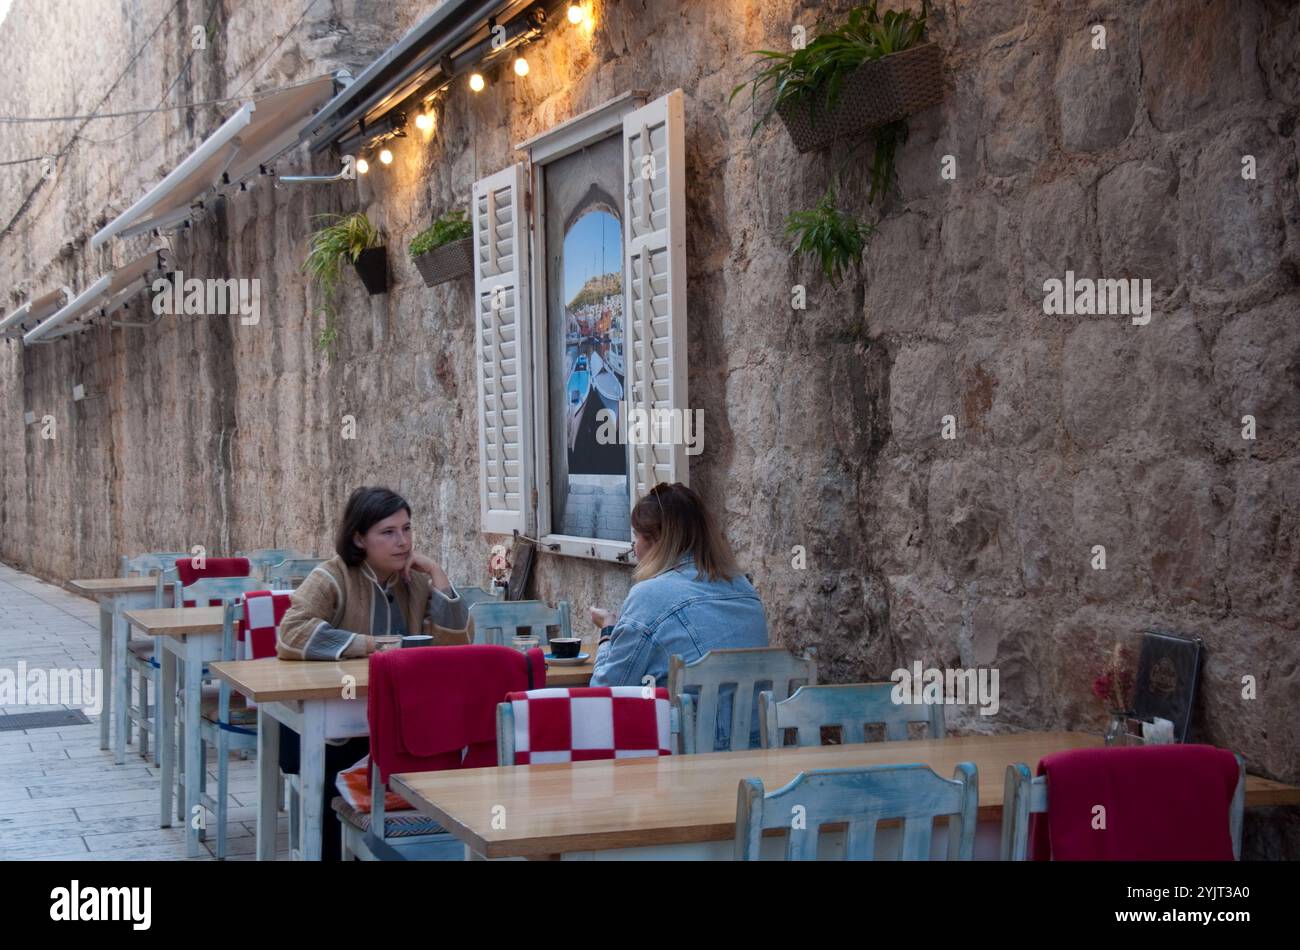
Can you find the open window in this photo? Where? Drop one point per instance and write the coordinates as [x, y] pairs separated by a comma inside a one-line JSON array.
[[581, 294]]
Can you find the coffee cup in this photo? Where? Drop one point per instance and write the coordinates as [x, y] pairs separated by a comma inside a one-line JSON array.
[[565, 648], [417, 640]]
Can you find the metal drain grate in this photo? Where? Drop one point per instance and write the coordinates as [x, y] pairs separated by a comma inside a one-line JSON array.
[[43, 720]]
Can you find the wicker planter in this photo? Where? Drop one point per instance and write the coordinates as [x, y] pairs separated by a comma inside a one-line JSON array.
[[446, 263], [372, 268], [876, 93]]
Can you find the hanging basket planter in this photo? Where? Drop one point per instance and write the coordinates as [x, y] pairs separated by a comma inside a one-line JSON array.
[[876, 93], [372, 268], [446, 263]]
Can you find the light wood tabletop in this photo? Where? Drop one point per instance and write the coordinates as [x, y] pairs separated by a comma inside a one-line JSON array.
[[176, 621], [95, 586], [680, 799], [275, 680]]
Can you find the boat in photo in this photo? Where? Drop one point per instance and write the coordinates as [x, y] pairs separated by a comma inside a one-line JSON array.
[[575, 395], [608, 387]]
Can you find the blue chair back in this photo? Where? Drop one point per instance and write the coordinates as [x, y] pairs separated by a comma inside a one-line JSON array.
[[261, 560], [289, 573], [699, 690], [159, 564], [495, 622], [851, 707], [861, 797]]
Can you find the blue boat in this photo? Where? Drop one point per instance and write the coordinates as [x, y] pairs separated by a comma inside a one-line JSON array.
[[575, 394]]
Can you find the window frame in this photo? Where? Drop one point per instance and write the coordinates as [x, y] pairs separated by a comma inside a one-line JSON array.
[[558, 142]]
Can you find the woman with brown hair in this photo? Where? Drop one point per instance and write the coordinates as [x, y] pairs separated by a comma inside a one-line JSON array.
[[689, 597]]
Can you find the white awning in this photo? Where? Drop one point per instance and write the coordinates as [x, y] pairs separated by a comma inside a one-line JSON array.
[[254, 136], [34, 311], [110, 289]]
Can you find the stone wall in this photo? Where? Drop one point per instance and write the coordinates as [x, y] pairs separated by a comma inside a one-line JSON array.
[[822, 426]]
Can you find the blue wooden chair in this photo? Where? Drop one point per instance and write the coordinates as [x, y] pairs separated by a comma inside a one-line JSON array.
[[477, 595], [214, 700], [851, 707], [263, 559], [861, 797], [699, 690], [289, 573], [495, 622], [141, 662], [1024, 795]]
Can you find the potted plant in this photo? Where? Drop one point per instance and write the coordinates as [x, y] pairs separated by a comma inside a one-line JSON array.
[[868, 74], [347, 237], [834, 238], [443, 251]]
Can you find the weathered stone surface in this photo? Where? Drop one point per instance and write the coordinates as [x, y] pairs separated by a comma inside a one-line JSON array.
[[1096, 89], [1197, 59], [1101, 390], [1057, 234], [974, 238], [1137, 220], [1015, 123], [1256, 372]]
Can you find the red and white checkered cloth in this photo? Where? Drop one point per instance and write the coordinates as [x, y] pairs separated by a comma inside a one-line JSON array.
[[263, 611], [589, 722]]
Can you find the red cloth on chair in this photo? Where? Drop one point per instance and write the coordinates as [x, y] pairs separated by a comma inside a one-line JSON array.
[[263, 611], [435, 708], [1163, 803], [212, 567], [586, 723]]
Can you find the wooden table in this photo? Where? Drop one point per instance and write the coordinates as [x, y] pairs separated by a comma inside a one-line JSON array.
[[318, 700], [685, 806], [115, 594], [191, 636]]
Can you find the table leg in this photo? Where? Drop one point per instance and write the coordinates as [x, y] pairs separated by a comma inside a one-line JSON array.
[[268, 778], [166, 740], [311, 772], [193, 760], [121, 630], [106, 667]]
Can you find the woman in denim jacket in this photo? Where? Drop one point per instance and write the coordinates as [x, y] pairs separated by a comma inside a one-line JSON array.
[[689, 597]]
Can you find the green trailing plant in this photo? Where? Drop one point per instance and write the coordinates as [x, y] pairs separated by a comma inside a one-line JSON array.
[[452, 226], [835, 239], [815, 74], [331, 247]]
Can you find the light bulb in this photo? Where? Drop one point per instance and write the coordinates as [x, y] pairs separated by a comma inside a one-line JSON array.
[[575, 14], [386, 157], [424, 122], [521, 66], [363, 166], [476, 82]]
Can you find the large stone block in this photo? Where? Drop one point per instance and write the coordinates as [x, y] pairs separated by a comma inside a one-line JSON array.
[[922, 391], [1181, 514], [1102, 393], [971, 505], [1234, 230], [1262, 561], [974, 239], [1137, 215], [1016, 126], [1197, 59], [1103, 516], [1256, 372], [1096, 89], [1057, 233]]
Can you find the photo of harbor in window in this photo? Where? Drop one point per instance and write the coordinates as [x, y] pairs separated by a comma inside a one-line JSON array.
[[585, 326]]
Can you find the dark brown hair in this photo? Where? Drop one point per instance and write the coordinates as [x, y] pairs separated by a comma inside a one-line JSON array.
[[366, 507], [673, 519]]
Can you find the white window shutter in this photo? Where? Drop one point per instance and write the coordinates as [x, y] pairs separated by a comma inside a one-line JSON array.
[[654, 215], [501, 295]]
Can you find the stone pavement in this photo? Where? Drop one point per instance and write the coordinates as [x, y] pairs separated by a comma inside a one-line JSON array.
[[61, 797]]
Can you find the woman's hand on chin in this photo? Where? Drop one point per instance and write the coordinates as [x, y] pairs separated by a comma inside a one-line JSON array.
[[418, 562]]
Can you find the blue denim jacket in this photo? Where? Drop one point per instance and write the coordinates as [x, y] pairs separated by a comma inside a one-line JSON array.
[[678, 612]]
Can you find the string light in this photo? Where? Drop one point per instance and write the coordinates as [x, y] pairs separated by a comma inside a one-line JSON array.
[[362, 166], [424, 121], [576, 15], [521, 66], [476, 82], [386, 156]]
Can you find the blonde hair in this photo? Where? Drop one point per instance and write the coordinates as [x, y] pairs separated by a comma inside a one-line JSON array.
[[673, 519]]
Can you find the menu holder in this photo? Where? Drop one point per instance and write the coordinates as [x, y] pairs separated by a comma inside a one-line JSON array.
[[1168, 667], [521, 561]]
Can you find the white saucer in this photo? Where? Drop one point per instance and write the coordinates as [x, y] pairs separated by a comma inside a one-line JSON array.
[[570, 661]]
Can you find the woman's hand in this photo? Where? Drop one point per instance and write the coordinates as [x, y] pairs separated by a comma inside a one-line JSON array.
[[603, 618], [418, 562]]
